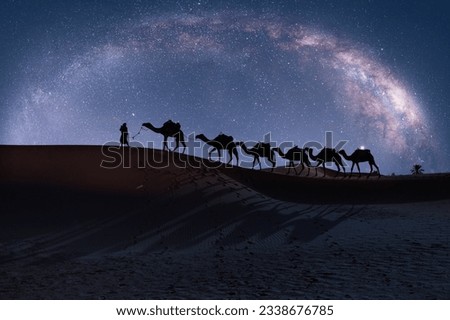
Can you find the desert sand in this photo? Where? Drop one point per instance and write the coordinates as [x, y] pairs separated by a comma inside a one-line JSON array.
[[71, 229]]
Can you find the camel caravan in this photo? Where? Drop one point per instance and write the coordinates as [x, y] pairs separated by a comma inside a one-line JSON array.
[[295, 155]]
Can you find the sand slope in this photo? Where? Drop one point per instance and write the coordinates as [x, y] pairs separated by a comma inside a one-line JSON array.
[[71, 229]]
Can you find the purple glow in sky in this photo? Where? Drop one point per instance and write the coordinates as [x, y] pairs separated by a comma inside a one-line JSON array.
[[238, 72]]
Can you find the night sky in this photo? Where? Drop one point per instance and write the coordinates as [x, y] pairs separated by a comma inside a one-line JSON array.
[[375, 73]]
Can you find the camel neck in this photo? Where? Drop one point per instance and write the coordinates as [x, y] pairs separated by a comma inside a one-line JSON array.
[[204, 138], [345, 155]]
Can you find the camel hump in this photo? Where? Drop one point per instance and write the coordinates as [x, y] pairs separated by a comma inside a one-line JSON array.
[[172, 127], [224, 139], [264, 145]]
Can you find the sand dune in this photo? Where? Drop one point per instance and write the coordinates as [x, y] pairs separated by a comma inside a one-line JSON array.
[[72, 229], [80, 168]]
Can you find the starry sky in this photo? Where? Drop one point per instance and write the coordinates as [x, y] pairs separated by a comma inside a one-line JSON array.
[[374, 73]]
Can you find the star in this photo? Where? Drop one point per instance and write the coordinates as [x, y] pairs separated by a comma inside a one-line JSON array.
[[237, 71]]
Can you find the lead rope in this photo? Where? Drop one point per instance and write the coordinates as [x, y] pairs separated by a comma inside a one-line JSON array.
[[137, 133]]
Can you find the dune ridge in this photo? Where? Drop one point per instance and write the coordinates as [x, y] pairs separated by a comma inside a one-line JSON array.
[[79, 167]]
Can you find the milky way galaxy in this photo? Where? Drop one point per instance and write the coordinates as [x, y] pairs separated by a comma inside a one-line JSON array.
[[232, 71]]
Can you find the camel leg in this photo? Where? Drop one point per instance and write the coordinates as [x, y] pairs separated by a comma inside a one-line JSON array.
[[339, 165], [273, 165], [230, 156], [165, 146], [378, 169], [323, 166], [303, 168], [371, 170], [219, 153], [338, 168], [259, 162], [351, 170], [318, 164], [295, 170], [235, 152], [254, 162], [291, 165], [180, 137], [270, 158], [210, 152], [177, 143], [359, 169]]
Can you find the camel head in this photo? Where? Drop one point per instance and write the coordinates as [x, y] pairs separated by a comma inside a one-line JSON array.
[[201, 136]]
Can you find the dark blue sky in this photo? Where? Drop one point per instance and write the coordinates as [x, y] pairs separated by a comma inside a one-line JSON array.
[[373, 72]]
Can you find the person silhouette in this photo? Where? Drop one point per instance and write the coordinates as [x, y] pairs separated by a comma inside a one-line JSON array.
[[124, 135]]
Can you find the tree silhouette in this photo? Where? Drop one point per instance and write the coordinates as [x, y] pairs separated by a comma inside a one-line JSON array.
[[417, 169]]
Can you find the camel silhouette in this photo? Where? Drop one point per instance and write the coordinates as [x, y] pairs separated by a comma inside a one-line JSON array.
[[360, 155], [221, 142], [327, 155], [259, 150], [169, 129], [295, 154]]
